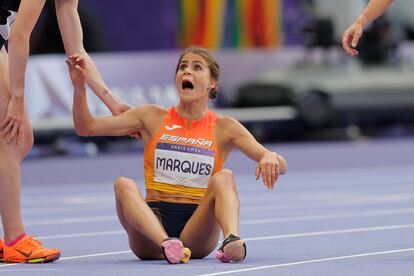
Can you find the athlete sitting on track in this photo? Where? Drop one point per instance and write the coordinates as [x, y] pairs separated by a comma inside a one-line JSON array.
[[190, 197]]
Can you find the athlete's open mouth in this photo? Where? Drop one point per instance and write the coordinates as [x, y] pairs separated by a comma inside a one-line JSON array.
[[187, 85]]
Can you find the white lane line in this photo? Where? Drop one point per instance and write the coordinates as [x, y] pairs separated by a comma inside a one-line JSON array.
[[308, 234], [310, 261], [76, 220], [365, 170], [65, 209], [331, 200], [286, 236], [30, 269], [243, 222], [96, 255], [334, 232], [331, 216], [82, 235], [80, 257]]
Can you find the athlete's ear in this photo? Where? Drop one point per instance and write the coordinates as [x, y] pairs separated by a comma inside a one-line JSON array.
[[212, 84]]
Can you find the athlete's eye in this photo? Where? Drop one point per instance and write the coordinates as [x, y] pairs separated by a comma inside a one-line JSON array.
[[182, 66], [197, 67]]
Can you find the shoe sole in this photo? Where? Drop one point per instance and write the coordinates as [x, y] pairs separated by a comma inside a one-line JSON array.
[[47, 259]]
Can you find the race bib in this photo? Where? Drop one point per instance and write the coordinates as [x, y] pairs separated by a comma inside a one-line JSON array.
[[183, 165]]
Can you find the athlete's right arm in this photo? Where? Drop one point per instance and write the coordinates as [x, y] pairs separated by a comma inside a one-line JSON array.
[[12, 126], [352, 35], [375, 8], [85, 124], [72, 37]]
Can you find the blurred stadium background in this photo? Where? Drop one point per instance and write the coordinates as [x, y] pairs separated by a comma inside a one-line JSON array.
[[284, 73]]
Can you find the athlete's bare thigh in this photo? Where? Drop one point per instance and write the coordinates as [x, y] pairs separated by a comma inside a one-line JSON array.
[[25, 146], [4, 94]]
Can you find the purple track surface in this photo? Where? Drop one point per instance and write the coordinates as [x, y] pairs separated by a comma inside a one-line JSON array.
[[344, 208]]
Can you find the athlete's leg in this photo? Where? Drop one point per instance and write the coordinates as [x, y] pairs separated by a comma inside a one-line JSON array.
[[144, 230], [218, 209], [10, 158], [18, 248]]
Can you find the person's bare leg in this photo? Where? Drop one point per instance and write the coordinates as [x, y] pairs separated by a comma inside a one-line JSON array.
[[144, 230], [218, 209], [10, 159], [10, 192]]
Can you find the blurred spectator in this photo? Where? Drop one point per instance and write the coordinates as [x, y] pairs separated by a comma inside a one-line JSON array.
[[401, 13]]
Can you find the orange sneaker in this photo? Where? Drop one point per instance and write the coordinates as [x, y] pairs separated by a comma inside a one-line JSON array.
[[1, 250], [29, 250]]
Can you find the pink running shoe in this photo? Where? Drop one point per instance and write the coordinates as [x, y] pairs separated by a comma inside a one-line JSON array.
[[174, 251], [233, 249], [1, 250]]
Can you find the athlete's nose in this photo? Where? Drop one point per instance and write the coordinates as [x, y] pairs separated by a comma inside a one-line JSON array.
[[187, 71]]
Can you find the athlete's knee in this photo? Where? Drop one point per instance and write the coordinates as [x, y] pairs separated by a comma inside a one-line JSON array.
[[124, 186], [123, 183], [28, 142], [223, 179]]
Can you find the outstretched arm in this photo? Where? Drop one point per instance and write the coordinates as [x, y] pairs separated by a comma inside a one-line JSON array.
[[352, 35], [85, 124], [12, 126], [269, 164], [72, 36]]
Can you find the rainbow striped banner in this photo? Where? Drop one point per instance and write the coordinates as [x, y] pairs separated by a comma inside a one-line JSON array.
[[231, 23]]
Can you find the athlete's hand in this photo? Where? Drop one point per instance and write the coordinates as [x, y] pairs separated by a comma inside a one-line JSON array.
[[268, 169], [76, 66], [12, 126], [351, 37]]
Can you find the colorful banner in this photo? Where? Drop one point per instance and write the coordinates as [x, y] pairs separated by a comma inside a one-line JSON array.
[[231, 23]]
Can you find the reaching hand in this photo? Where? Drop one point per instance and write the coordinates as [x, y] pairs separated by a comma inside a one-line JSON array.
[[12, 126], [351, 37], [76, 65], [268, 169]]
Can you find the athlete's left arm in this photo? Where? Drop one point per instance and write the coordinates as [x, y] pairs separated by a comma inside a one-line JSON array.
[[269, 164]]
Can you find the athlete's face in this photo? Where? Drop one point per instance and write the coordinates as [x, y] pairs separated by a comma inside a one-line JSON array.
[[193, 80]]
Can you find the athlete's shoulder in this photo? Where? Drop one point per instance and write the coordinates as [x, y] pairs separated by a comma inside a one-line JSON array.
[[227, 123], [149, 114], [226, 120]]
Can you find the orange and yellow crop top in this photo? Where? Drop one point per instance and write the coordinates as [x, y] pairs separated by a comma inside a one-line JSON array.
[[179, 161]]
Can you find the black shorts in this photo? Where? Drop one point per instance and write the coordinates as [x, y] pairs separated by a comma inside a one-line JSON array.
[[12, 5], [6, 20], [173, 216]]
